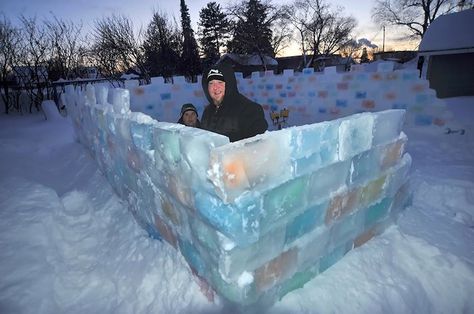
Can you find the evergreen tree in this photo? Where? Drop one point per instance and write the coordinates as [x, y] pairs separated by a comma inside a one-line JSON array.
[[190, 63], [162, 46], [213, 32], [252, 33]]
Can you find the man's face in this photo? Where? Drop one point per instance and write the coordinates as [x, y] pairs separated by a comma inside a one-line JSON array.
[[216, 90], [189, 118]]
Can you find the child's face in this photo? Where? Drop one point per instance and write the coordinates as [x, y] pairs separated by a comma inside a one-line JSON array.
[[189, 118]]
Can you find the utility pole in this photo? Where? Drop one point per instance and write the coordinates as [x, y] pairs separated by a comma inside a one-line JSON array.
[[383, 42]]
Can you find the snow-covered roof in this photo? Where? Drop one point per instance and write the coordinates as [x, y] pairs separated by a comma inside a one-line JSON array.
[[129, 76], [449, 32]]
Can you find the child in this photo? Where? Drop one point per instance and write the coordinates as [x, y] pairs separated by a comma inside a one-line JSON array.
[[189, 116]]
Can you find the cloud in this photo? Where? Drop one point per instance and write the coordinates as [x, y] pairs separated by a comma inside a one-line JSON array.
[[367, 43]]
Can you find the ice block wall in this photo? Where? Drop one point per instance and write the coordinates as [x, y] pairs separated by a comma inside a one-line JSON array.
[[310, 96], [257, 218]]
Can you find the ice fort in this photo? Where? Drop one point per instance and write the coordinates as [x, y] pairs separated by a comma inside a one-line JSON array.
[[258, 218]]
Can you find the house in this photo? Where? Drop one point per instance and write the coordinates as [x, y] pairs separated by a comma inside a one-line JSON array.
[[446, 54], [397, 56], [297, 62], [88, 72], [246, 64], [342, 64], [29, 75]]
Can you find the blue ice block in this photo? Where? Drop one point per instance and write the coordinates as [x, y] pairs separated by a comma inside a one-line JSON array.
[[298, 280], [377, 212], [309, 139], [305, 222], [166, 142], [364, 166], [284, 201], [401, 200], [399, 174], [423, 119], [142, 135], [408, 75], [240, 224], [348, 227], [335, 255], [192, 256], [207, 236]]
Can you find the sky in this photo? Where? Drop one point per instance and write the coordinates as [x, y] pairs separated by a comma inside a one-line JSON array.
[[68, 244], [88, 11]]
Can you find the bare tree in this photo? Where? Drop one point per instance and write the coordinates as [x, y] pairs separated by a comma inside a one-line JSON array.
[[465, 4], [299, 17], [117, 48], [33, 58], [66, 49], [323, 30], [35, 54], [282, 32], [9, 49], [414, 15]]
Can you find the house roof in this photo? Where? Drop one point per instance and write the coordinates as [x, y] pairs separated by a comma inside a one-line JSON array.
[[248, 59], [450, 32]]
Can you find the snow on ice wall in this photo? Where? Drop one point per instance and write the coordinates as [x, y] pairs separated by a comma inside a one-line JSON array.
[[258, 218], [310, 96]]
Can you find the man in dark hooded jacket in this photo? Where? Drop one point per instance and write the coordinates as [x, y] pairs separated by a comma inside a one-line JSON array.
[[229, 113]]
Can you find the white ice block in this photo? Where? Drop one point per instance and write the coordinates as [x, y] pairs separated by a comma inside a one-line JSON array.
[[121, 100], [385, 66], [101, 94], [388, 125], [355, 135], [256, 163], [327, 180], [195, 145], [90, 94]]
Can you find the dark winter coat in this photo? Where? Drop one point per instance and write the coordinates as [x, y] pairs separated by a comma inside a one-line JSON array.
[[237, 117]]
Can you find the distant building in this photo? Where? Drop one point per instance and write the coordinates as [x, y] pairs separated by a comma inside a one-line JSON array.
[[297, 63], [397, 56], [446, 54], [28, 75], [88, 72], [246, 64]]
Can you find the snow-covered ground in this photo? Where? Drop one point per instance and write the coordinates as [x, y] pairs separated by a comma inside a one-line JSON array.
[[69, 245]]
